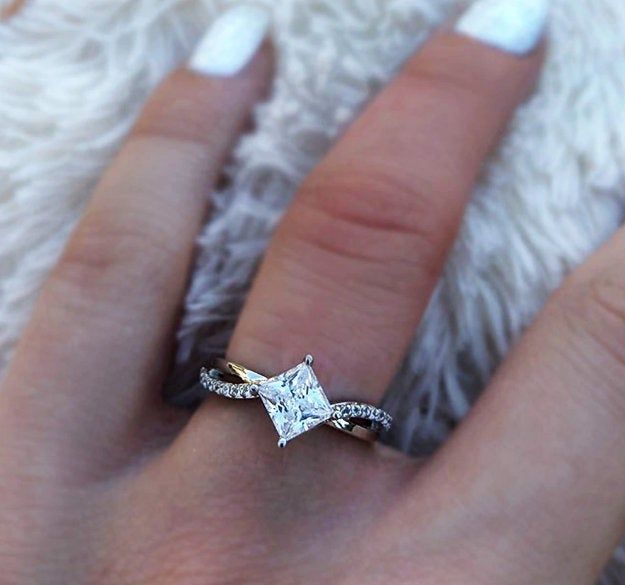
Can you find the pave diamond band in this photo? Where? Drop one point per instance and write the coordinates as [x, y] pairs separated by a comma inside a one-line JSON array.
[[294, 400], [350, 410], [210, 380]]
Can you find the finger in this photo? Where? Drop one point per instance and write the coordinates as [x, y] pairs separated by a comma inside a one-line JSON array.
[[353, 263], [540, 460], [103, 324], [357, 256]]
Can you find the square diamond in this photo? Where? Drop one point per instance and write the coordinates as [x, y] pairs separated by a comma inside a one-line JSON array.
[[295, 401]]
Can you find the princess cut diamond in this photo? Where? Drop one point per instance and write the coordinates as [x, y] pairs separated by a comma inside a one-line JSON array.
[[295, 401]]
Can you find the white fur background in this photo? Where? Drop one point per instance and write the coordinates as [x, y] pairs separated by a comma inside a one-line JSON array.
[[74, 74]]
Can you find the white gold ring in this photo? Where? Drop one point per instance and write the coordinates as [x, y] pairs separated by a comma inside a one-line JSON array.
[[294, 400]]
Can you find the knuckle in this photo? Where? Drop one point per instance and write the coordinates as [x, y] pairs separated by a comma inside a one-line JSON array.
[[443, 86], [467, 79], [110, 256], [376, 198], [374, 216], [183, 110], [594, 309]]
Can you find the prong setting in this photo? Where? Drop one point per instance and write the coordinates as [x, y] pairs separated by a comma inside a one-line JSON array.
[[295, 401]]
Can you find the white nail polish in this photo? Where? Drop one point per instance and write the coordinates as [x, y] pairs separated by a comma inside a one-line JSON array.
[[231, 42], [515, 26]]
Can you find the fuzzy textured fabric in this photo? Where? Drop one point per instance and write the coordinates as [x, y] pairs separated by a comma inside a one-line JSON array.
[[73, 76]]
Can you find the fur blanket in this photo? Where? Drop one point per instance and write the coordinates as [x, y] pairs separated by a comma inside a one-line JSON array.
[[73, 75]]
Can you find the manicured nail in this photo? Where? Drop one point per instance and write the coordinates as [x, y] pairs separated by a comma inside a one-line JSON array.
[[231, 42], [515, 26]]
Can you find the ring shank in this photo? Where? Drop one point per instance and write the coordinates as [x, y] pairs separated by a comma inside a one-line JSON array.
[[351, 428]]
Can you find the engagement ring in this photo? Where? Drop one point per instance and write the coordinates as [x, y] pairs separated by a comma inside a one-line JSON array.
[[294, 400]]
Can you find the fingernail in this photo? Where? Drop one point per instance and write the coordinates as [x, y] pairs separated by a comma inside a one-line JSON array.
[[231, 42], [515, 26]]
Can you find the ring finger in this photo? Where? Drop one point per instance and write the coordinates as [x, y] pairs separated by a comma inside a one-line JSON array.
[[354, 262]]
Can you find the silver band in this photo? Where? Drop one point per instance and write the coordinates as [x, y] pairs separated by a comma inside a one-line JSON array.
[[292, 394]]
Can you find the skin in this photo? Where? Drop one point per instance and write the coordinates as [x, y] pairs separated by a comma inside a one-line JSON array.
[[100, 483]]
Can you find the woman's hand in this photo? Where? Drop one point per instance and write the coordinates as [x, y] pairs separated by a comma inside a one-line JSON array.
[[101, 483]]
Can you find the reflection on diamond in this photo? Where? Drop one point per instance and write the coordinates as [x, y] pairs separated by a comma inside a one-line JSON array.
[[295, 401]]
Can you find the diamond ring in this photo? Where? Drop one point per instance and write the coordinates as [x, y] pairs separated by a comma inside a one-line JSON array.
[[294, 400]]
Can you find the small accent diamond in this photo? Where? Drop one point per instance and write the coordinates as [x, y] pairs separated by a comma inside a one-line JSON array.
[[295, 401]]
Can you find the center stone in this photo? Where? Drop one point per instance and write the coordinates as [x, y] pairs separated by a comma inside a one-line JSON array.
[[295, 401]]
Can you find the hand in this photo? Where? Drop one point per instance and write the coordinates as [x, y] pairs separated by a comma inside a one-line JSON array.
[[101, 483]]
